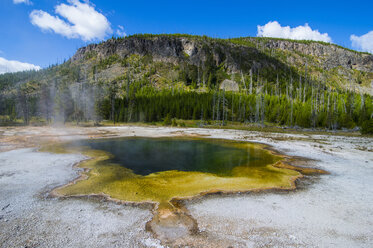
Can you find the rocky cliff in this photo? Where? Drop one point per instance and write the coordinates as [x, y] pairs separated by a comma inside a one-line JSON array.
[[174, 49], [193, 50], [326, 62], [332, 55]]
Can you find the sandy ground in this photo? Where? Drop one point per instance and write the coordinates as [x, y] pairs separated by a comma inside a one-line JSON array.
[[333, 210]]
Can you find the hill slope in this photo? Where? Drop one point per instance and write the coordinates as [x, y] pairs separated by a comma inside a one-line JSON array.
[[112, 79], [327, 62]]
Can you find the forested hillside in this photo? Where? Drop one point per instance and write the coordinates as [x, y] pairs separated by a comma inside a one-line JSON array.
[[150, 78]]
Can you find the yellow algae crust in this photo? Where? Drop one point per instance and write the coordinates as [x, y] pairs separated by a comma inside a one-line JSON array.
[[117, 182]]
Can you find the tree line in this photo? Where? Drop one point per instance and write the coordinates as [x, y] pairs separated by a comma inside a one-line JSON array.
[[293, 104]]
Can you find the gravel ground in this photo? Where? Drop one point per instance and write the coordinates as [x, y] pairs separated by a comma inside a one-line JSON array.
[[326, 211], [30, 219], [335, 210]]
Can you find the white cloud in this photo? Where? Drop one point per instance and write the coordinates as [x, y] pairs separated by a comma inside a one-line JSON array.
[[120, 31], [364, 42], [28, 2], [274, 29], [83, 21], [14, 66]]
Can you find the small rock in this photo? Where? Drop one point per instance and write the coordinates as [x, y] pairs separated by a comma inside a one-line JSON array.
[[5, 207], [229, 85]]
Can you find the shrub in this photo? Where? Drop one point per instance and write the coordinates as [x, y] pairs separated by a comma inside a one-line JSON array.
[[167, 120], [174, 123], [367, 127]]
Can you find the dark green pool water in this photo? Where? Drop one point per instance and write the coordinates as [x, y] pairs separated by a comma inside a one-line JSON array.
[[149, 155]]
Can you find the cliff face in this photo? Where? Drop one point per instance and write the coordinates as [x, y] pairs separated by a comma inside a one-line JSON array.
[[337, 66], [160, 47], [176, 49], [332, 55]]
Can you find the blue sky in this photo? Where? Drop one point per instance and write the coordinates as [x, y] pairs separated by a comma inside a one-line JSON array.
[[43, 32]]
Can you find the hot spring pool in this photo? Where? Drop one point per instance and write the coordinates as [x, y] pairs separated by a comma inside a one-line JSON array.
[[139, 169], [150, 155]]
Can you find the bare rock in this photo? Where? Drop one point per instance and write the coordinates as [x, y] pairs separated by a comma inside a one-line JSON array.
[[229, 85]]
